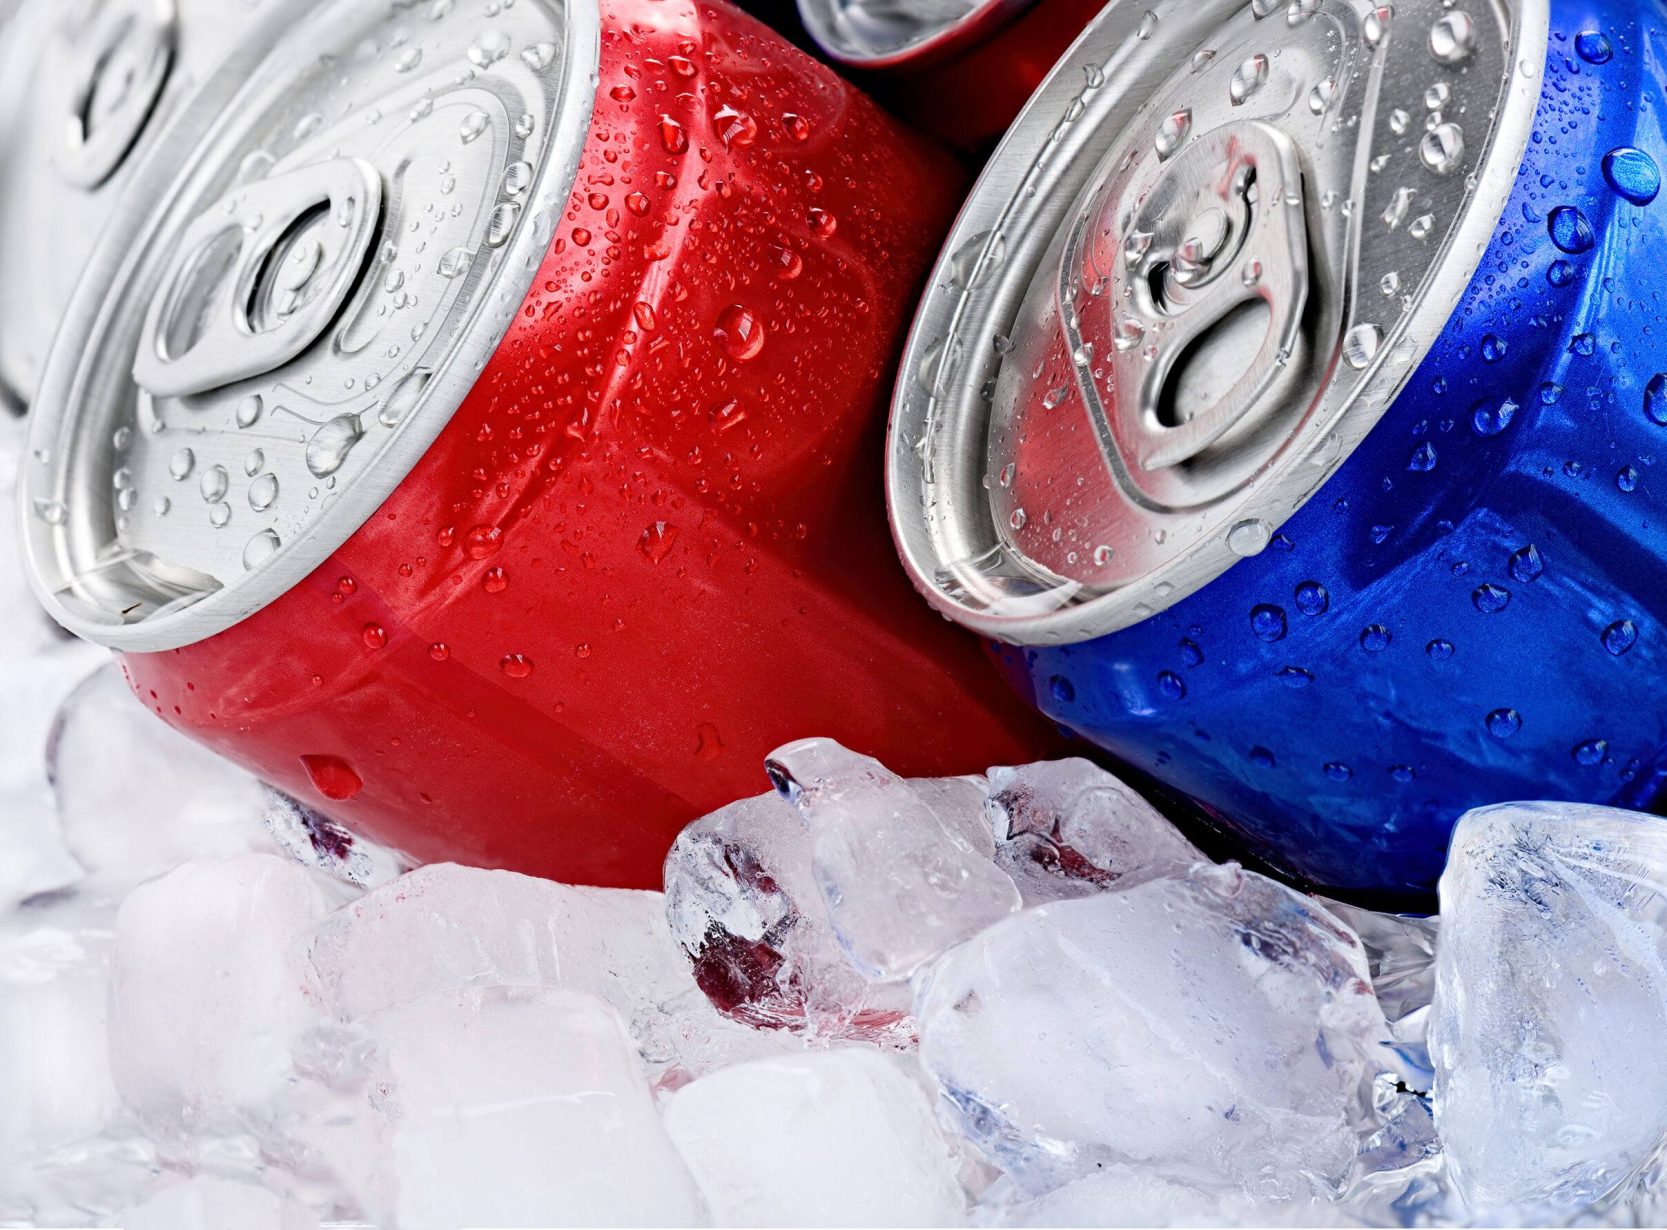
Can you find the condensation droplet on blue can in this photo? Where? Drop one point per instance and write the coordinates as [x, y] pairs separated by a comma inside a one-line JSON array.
[[1062, 689], [1490, 419], [1337, 771], [1620, 636], [1268, 622], [1191, 654], [1493, 348], [1584, 344], [1312, 598], [1593, 46], [1489, 598], [1570, 230], [1295, 676], [1632, 174], [1591, 752], [1503, 723], [1439, 649], [1171, 685], [1422, 460], [1526, 564], [1375, 638], [1655, 399]]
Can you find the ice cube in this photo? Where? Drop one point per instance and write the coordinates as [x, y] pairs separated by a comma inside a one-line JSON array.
[[1400, 953], [1215, 1026], [523, 1106], [209, 1203], [54, 1058], [1122, 1195], [1067, 828], [742, 901], [208, 993], [900, 884], [1551, 1004], [136, 798], [837, 1138], [318, 842], [447, 927]]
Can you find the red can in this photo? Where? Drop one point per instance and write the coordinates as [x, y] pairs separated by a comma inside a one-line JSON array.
[[962, 69], [473, 426]]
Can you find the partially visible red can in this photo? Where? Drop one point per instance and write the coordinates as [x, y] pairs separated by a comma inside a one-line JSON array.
[[473, 426], [962, 69]]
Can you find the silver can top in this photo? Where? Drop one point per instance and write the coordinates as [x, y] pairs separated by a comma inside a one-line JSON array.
[[1218, 240], [889, 33], [312, 268], [84, 86]]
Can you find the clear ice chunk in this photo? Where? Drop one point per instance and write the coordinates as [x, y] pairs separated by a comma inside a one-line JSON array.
[[900, 884], [209, 1203], [446, 927], [522, 1106], [1217, 1028], [208, 997], [1133, 1196], [743, 903], [837, 1138], [136, 798], [316, 841], [1067, 828], [1551, 1005]]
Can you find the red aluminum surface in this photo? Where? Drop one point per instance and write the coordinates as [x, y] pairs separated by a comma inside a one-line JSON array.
[[651, 545]]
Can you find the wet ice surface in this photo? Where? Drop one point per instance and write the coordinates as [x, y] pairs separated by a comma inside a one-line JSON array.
[[1013, 999]]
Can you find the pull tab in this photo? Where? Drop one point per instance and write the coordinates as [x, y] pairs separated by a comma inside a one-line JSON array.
[[259, 277], [120, 68], [1211, 282]]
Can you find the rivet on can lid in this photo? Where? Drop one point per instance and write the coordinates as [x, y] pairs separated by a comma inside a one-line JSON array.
[[308, 276], [1146, 332], [884, 33]]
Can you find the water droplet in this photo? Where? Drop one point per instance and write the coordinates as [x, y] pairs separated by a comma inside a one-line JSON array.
[[327, 451], [1453, 38], [408, 59], [1173, 132], [1337, 771], [182, 464], [1268, 622], [1148, 25], [657, 541], [539, 56], [1632, 174], [1442, 148], [1299, 11], [1375, 638], [52, 512], [740, 333], [734, 128], [374, 636], [516, 665], [1295, 677], [473, 125], [501, 224], [518, 177], [1655, 399], [1503, 723], [333, 777], [1627, 478], [1249, 538], [1319, 98], [456, 262], [489, 49], [1062, 689], [1620, 636], [1423, 458], [1249, 77], [263, 492], [214, 483], [1489, 419], [1593, 46], [1526, 564], [1439, 650], [1493, 348], [672, 136], [1591, 752], [483, 541], [403, 398], [220, 515], [1312, 598], [1171, 685], [249, 411], [1361, 345], [262, 547], [1489, 598], [1570, 230], [1103, 555]]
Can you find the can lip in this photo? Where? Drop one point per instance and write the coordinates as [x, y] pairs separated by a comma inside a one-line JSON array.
[[1027, 208], [896, 39], [78, 564]]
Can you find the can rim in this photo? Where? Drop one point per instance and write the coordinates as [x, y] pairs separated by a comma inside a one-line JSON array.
[[1110, 52], [928, 44], [178, 153]]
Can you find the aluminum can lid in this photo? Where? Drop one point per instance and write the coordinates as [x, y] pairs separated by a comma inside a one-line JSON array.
[[84, 85], [312, 268], [878, 34], [1217, 241]]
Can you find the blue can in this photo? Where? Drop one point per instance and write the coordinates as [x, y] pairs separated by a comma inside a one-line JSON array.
[[1421, 564]]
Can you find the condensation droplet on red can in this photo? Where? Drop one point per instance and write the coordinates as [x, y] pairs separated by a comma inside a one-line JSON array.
[[333, 777], [656, 541], [516, 665], [798, 127], [735, 127], [740, 332], [495, 582], [483, 541], [709, 745], [622, 93], [439, 651], [822, 223], [645, 315], [375, 636], [637, 203], [788, 263], [681, 65], [672, 136], [347, 586]]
